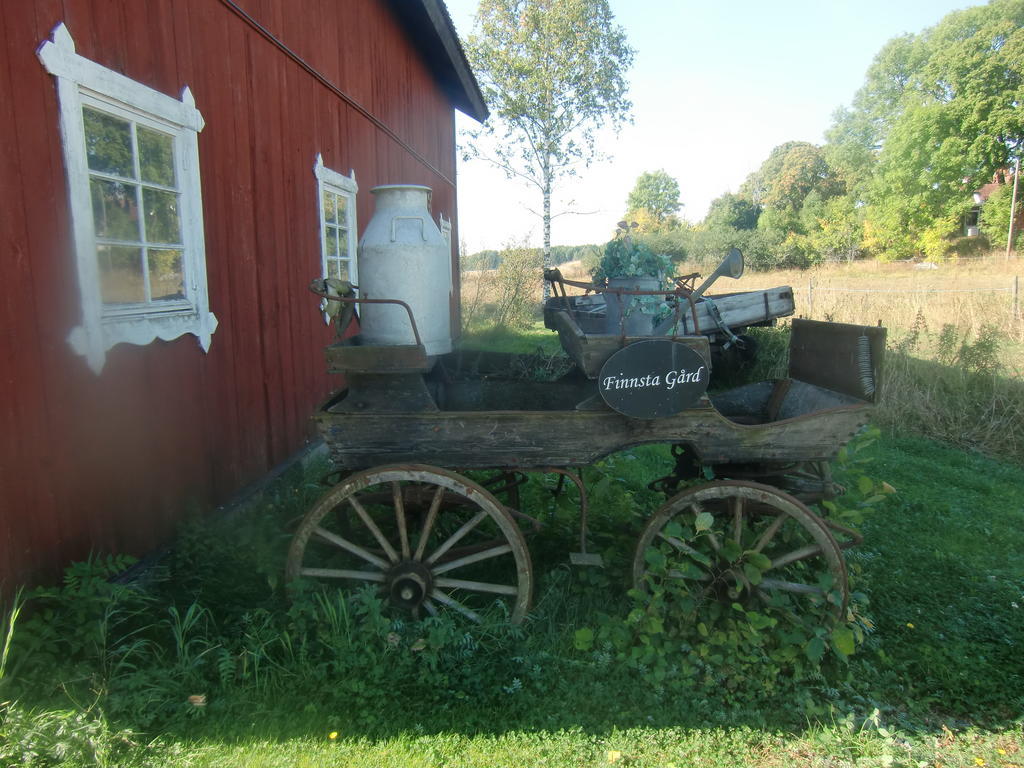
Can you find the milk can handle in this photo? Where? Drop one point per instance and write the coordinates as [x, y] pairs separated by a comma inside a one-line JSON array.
[[423, 231]]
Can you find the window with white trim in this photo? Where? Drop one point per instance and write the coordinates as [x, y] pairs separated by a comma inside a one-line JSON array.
[[132, 161], [337, 195]]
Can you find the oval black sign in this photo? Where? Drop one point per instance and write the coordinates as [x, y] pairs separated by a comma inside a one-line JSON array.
[[654, 378]]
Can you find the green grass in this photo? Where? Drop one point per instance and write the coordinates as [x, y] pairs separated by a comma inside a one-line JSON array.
[[945, 572], [524, 341], [100, 674], [657, 748]]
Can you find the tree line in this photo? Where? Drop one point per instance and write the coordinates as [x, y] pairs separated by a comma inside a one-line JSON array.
[[939, 119], [560, 254]]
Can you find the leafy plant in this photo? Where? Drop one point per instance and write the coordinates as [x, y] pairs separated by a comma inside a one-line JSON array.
[[17, 603], [38, 739], [80, 623], [625, 256]]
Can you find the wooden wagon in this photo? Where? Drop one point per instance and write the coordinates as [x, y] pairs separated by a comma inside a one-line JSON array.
[[430, 465]]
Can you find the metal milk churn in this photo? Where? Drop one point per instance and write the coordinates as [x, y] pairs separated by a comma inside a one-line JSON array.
[[402, 255]]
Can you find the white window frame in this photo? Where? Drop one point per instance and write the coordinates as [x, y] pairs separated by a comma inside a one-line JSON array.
[[344, 186], [82, 82]]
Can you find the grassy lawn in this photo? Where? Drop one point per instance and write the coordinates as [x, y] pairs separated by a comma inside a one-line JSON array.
[[97, 677]]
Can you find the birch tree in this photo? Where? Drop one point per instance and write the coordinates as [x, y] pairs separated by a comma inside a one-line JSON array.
[[553, 73]]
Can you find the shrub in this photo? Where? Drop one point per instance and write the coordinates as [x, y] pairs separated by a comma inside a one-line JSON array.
[[517, 279], [969, 247]]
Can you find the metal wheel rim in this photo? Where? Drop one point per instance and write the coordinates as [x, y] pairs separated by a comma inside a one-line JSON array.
[[409, 561]]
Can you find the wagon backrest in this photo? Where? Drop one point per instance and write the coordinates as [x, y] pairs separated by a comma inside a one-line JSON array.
[[837, 356]]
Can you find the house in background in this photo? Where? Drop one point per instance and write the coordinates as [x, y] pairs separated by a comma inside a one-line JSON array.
[[175, 172], [972, 218]]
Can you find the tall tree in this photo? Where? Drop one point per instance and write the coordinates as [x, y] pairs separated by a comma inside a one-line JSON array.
[[938, 115], [732, 211], [792, 171], [553, 73], [657, 193]]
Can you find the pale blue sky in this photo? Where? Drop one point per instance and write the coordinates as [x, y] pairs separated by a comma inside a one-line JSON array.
[[715, 86]]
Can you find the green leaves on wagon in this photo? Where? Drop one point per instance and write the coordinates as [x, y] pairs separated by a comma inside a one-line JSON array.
[[752, 573], [655, 558], [815, 649], [583, 639], [843, 641], [703, 522]]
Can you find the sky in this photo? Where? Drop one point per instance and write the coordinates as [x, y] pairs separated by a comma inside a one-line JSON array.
[[715, 86]]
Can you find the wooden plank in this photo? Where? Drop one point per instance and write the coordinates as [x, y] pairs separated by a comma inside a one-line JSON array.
[[238, 423], [21, 392], [403, 358], [305, 326], [266, 110], [577, 438], [737, 310], [838, 356], [35, 276]]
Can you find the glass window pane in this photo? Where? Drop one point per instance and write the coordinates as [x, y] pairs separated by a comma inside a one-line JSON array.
[[121, 280], [331, 246], [337, 268], [166, 274], [162, 224], [115, 211], [343, 244], [108, 143], [342, 210], [330, 207], [156, 157]]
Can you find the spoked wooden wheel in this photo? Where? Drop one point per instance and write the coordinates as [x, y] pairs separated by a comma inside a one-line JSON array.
[[430, 539], [747, 543]]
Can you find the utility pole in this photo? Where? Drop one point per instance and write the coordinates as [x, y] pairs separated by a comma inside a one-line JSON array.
[[1013, 206]]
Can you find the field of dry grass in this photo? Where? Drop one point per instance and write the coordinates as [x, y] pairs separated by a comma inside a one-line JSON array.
[[903, 296], [955, 363], [968, 295]]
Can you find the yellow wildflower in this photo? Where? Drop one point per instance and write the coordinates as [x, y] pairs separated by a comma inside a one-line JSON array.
[[909, 625], [978, 761], [332, 735], [1001, 751]]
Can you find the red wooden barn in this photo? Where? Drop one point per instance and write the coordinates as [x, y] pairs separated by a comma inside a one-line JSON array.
[[174, 173]]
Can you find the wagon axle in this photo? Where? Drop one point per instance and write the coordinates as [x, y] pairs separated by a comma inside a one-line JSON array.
[[408, 584]]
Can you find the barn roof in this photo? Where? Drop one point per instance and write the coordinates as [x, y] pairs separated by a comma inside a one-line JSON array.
[[432, 30]]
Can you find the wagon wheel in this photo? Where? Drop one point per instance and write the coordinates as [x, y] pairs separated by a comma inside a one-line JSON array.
[[756, 546], [430, 539]]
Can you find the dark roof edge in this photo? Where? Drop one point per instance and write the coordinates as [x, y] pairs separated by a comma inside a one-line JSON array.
[[432, 30]]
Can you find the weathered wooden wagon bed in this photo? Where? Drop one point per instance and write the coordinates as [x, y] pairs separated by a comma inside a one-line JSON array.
[[539, 425]]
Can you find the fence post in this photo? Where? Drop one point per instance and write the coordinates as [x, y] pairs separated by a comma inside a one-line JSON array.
[[1016, 297], [810, 298]]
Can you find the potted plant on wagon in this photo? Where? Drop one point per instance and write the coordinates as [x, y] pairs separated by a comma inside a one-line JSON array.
[[630, 265]]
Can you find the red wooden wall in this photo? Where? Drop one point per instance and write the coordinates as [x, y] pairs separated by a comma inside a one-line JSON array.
[[109, 462]]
